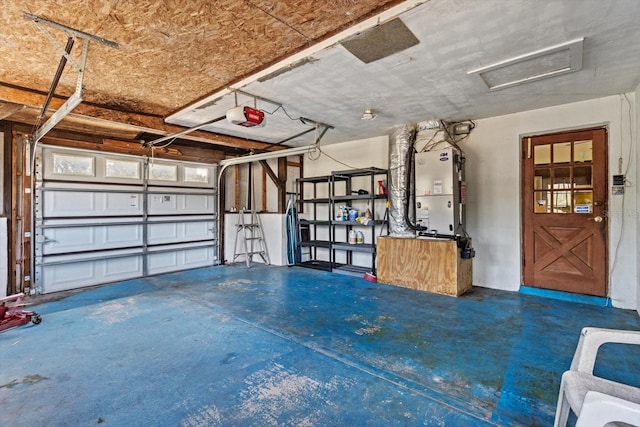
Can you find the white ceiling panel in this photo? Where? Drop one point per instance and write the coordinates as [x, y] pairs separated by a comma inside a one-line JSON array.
[[430, 80]]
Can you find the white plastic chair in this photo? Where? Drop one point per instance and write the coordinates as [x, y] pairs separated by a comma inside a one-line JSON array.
[[601, 409], [579, 381]]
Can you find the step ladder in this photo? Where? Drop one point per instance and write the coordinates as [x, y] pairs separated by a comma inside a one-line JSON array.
[[252, 239]]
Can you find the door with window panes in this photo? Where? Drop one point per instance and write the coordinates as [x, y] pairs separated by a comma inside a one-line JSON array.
[[564, 202]]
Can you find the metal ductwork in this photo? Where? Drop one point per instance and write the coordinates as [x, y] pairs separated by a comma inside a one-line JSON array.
[[401, 139]]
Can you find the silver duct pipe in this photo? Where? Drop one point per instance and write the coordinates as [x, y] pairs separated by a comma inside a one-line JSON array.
[[401, 139]]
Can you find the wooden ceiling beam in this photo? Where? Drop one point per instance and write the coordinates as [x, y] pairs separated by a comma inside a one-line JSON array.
[[107, 117], [9, 108]]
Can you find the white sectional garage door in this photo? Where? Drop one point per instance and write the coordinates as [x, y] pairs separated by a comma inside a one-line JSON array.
[[103, 217]]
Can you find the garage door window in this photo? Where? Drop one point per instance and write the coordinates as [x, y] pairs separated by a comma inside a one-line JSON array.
[[196, 174], [163, 172], [64, 164], [122, 169]]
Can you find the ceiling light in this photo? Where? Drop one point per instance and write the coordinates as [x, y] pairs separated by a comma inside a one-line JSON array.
[[369, 114], [541, 64]]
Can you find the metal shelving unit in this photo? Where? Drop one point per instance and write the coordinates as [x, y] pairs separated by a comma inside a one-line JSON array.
[[325, 235], [315, 232], [343, 186]]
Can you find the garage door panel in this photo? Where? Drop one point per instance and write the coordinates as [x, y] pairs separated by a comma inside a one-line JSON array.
[[198, 203], [99, 219], [88, 273], [162, 203], [122, 203], [180, 232], [170, 204], [162, 233], [197, 257], [63, 203], [162, 262], [180, 259], [195, 230], [83, 204], [79, 239], [122, 235], [116, 268], [67, 240], [78, 272]]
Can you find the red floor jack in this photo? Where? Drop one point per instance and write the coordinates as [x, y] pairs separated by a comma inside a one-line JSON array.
[[10, 316]]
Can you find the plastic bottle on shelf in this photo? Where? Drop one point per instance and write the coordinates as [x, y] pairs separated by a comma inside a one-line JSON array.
[[382, 188], [359, 237], [352, 237]]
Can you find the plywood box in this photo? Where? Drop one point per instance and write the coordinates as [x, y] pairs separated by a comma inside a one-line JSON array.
[[431, 265]]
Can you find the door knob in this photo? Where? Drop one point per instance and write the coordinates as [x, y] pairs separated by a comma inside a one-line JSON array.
[[597, 218]]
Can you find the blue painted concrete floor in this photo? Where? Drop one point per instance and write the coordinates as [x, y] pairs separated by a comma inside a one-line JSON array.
[[269, 346]]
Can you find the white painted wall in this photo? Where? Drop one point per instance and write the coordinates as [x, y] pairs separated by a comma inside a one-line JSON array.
[[493, 178], [273, 226], [493, 175], [355, 154], [637, 187]]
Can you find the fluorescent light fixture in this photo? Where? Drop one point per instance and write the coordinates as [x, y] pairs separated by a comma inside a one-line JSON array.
[[541, 64], [264, 156]]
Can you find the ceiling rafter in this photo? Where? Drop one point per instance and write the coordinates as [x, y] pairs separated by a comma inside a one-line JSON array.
[[134, 121]]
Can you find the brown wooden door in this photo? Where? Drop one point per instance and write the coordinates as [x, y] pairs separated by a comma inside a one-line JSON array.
[[564, 202]]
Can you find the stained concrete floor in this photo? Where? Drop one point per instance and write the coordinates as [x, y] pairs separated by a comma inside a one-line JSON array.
[[269, 346]]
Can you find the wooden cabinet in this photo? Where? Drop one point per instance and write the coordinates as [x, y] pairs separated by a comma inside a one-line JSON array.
[[432, 265]]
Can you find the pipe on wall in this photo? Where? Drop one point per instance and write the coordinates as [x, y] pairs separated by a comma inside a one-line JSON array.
[[401, 140]]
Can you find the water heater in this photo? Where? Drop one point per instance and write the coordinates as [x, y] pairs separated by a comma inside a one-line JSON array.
[[440, 191]]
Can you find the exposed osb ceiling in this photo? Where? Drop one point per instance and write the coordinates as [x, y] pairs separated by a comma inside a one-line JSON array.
[[172, 52], [178, 58]]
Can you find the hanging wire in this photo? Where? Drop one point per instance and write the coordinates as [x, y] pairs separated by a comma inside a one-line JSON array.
[[165, 145], [614, 262], [295, 119], [332, 158], [431, 143]]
